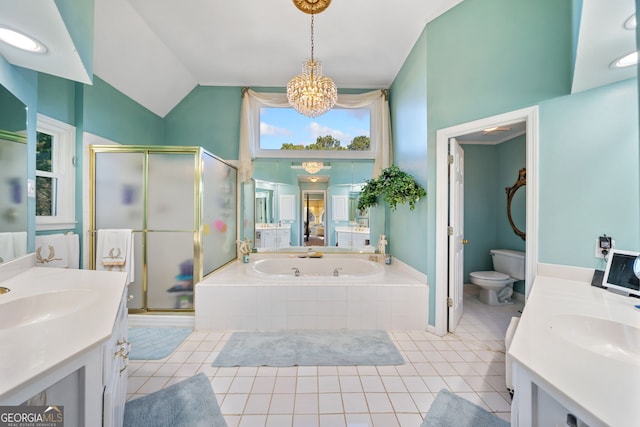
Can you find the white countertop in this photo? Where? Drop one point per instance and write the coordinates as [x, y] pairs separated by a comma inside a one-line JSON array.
[[604, 386], [362, 230], [273, 227], [33, 349]]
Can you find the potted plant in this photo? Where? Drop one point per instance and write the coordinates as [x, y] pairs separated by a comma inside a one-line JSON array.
[[395, 186]]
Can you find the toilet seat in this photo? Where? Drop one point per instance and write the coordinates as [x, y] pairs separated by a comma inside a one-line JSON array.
[[490, 275]]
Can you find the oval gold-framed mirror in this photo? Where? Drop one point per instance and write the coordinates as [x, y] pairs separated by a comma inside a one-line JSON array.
[[511, 191]]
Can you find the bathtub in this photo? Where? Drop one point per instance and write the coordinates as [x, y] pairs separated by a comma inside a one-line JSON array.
[[301, 270], [265, 294]]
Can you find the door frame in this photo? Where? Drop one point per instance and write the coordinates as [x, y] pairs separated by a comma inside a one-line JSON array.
[[302, 218], [528, 115]]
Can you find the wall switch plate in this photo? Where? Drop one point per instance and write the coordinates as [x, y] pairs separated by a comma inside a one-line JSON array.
[[598, 253]]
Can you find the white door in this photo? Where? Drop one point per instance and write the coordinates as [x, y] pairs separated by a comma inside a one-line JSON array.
[[456, 234]]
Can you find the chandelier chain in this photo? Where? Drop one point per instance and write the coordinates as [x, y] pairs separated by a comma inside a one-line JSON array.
[[312, 15]]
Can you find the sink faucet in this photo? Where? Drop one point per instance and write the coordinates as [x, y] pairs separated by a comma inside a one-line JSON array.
[[296, 271], [336, 271]]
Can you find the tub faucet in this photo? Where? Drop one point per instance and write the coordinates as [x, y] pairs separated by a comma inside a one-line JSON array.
[[336, 271], [296, 271]]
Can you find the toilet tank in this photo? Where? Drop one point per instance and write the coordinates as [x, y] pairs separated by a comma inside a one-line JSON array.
[[508, 262]]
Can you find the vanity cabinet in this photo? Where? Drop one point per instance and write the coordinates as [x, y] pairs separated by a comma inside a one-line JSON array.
[[115, 359], [77, 356], [540, 404], [352, 239], [573, 361], [273, 237]]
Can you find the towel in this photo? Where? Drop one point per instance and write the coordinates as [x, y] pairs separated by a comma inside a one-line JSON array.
[[51, 251], [73, 249], [114, 251], [20, 243], [6, 247]]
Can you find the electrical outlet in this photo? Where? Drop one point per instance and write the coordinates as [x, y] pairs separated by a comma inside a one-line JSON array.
[[599, 253]]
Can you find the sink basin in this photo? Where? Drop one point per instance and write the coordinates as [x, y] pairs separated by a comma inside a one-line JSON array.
[[41, 307], [605, 337]]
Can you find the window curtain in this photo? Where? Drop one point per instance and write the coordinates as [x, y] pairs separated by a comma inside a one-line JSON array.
[[250, 125]]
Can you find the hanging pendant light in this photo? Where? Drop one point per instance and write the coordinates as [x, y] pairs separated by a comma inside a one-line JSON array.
[[310, 93]]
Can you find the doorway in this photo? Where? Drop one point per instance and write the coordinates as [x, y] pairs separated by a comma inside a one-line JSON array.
[[443, 305], [314, 217]]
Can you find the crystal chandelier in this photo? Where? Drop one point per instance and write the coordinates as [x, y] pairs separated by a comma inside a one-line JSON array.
[[312, 167], [311, 93]]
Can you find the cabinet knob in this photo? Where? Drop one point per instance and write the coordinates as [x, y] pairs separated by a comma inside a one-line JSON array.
[[465, 241]]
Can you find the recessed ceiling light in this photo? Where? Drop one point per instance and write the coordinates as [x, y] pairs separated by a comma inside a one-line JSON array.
[[21, 41], [630, 24], [625, 61]]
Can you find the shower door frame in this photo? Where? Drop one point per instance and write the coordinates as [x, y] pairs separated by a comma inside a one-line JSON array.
[[198, 261]]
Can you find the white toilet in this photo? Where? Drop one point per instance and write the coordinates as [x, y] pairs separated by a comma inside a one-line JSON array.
[[496, 287]]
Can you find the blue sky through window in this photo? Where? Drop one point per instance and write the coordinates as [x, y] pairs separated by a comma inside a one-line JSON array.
[[286, 125]]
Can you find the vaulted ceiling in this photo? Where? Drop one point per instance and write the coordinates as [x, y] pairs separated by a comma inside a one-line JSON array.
[[157, 51]]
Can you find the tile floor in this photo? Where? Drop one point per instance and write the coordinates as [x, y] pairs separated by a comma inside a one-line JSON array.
[[469, 362]]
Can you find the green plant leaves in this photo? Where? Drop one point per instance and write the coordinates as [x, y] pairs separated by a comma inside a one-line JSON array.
[[394, 186]]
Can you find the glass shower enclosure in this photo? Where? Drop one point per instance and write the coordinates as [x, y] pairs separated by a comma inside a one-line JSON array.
[[180, 203]]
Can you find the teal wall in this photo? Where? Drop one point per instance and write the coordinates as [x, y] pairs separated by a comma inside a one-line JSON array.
[[486, 57], [208, 117], [480, 206], [57, 98], [488, 171], [512, 156], [110, 114], [589, 173], [407, 230]]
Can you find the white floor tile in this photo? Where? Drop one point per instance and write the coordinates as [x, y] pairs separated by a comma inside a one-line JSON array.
[[328, 384], [350, 384], [301, 420], [330, 403], [252, 421], [234, 404], [263, 385], [279, 420], [402, 402], [469, 362], [354, 403], [379, 403], [258, 404], [372, 384], [306, 404], [282, 404]]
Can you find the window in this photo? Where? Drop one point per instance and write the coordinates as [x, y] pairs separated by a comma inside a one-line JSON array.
[[357, 121], [55, 175], [339, 129]]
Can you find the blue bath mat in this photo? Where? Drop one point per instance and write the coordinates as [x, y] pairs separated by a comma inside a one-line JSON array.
[[451, 410], [155, 343], [189, 403], [309, 348]]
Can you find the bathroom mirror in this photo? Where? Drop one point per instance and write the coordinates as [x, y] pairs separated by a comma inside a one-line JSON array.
[[13, 176], [295, 208], [516, 201]]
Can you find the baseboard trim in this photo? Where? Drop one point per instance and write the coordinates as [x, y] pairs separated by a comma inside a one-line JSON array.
[[158, 320]]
